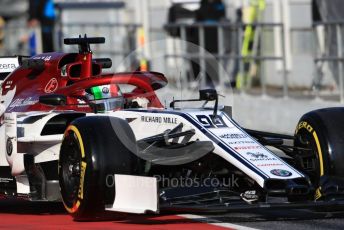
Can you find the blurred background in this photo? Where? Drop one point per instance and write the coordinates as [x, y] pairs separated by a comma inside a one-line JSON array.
[[275, 59]]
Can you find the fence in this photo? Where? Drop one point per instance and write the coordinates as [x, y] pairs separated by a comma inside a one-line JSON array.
[[15, 39], [333, 34], [332, 52], [121, 41], [223, 56]]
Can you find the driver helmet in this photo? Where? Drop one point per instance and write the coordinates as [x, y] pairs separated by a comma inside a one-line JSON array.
[[106, 97]]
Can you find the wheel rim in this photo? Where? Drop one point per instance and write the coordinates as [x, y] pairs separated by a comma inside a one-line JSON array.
[[70, 160], [309, 160]]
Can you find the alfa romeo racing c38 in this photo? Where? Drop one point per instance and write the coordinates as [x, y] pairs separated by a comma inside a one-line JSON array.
[[69, 133]]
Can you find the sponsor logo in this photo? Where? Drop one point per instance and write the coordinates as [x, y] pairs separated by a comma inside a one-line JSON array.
[[269, 164], [247, 147], [260, 157], [281, 172], [152, 119], [257, 155], [305, 125], [240, 142], [23, 102], [81, 103], [45, 58], [105, 90], [250, 196], [7, 66], [209, 121], [233, 136], [5, 180], [51, 86], [8, 84]]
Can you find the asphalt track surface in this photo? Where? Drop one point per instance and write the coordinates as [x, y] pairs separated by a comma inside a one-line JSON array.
[[25, 215]]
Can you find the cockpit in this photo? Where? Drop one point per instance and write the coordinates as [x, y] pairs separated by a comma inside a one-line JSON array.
[[105, 98]]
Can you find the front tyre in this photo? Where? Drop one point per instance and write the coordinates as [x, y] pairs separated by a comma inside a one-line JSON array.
[[322, 132], [92, 151]]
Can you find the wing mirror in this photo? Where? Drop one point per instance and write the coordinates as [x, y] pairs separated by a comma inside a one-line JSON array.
[[207, 94], [53, 99], [210, 95], [204, 95]]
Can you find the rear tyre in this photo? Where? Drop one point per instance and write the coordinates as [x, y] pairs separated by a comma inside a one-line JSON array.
[[92, 151], [321, 131]]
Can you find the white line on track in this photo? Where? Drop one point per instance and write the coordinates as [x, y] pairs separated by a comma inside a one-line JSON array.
[[215, 222]]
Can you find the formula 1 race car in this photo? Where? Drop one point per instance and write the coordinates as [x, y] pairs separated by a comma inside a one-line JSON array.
[[70, 133]]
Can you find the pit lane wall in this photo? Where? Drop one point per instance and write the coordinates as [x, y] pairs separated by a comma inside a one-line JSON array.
[[274, 114], [265, 113]]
